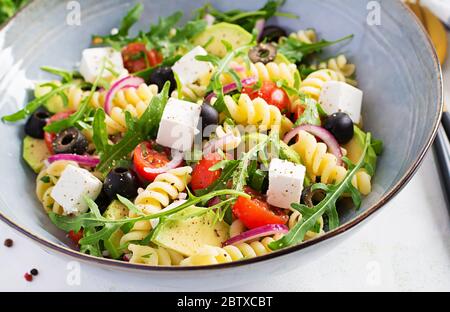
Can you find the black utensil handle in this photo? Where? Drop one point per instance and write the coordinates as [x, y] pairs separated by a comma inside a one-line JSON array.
[[446, 123], [442, 150]]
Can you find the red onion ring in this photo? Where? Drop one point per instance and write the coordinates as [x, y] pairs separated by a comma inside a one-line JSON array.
[[177, 159], [322, 134], [259, 26], [127, 82], [213, 145], [209, 19], [265, 230], [84, 160], [232, 87]]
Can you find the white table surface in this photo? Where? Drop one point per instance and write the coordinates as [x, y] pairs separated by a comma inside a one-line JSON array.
[[404, 247]]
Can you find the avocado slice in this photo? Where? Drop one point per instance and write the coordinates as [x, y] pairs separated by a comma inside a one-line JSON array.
[[55, 104], [115, 211], [212, 38], [34, 153], [185, 233], [355, 149]]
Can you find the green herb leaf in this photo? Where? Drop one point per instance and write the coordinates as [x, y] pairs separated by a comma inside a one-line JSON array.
[[82, 111], [327, 206], [311, 114], [295, 50], [66, 76], [245, 19], [138, 131], [130, 19], [32, 106]]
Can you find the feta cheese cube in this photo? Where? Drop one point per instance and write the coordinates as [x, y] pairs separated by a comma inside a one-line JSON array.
[[337, 96], [188, 69], [92, 59], [178, 125], [285, 183], [71, 188]]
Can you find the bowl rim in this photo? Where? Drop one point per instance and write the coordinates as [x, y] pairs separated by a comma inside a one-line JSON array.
[[341, 229]]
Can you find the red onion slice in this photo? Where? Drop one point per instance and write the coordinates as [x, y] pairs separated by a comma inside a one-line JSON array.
[[265, 230], [127, 82], [209, 19], [322, 134], [213, 145], [232, 87], [177, 158], [259, 26], [84, 160]]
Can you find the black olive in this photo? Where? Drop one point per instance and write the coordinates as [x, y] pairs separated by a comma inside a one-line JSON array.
[[102, 201], [209, 115], [35, 124], [122, 181], [162, 74], [272, 33], [341, 126], [311, 198], [263, 52], [70, 141]]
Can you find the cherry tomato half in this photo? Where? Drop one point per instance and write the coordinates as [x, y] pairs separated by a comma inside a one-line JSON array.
[[256, 212], [271, 94], [136, 57], [148, 154], [202, 177], [50, 137], [76, 236]]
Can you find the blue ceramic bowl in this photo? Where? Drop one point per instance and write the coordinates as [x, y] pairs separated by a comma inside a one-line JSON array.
[[397, 70]]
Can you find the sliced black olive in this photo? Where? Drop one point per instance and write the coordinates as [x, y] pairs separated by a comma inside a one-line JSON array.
[[209, 115], [122, 181], [162, 74], [70, 141], [273, 33], [35, 124], [341, 126], [263, 52], [311, 198]]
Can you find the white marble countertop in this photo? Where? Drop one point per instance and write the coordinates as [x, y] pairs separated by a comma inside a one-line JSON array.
[[404, 247]]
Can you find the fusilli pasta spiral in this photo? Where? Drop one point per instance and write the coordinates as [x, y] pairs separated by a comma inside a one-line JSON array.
[[341, 66], [154, 256], [313, 84], [45, 182], [264, 72], [232, 132], [319, 162], [208, 255], [257, 113], [133, 100], [296, 216], [305, 35], [236, 228]]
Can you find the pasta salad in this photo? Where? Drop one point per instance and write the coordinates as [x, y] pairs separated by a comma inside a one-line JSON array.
[[219, 140]]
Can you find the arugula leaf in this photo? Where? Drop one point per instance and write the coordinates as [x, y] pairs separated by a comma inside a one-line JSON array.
[[311, 114], [327, 206], [130, 19], [91, 249], [120, 39], [245, 19], [66, 76], [138, 131], [222, 67], [104, 228], [82, 111], [32, 106], [295, 50]]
